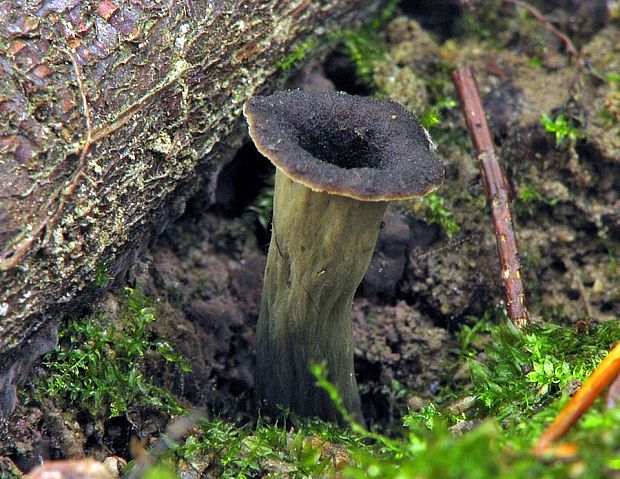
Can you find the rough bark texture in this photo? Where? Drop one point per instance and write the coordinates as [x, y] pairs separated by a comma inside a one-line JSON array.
[[111, 115]]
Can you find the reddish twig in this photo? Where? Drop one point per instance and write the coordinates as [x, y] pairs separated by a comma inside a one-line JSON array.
[[497, 194], [568, 44], [603, 376], [537, 14]]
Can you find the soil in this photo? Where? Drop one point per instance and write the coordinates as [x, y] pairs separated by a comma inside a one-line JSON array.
[[206, 269]]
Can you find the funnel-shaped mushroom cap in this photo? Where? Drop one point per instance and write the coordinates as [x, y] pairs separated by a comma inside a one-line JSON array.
[[367, 149]]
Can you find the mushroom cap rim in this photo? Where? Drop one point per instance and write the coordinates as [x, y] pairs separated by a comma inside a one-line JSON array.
[[272, 154]]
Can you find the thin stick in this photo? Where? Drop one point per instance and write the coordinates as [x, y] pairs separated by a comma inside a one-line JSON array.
[[603, 375], [568, 44], [582, 291], [537, 14], [497, 194]]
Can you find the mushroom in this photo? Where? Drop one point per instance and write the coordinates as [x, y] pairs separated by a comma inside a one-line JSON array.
[[339, 159]]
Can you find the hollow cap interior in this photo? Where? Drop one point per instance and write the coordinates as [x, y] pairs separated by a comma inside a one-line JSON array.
[[360, 147]]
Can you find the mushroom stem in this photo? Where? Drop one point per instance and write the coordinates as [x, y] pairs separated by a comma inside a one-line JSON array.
[[320, 248]]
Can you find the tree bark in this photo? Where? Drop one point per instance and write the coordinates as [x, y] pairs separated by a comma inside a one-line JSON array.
[[112, 113]]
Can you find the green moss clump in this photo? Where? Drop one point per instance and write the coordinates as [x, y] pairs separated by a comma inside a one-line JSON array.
[[436, 212], [529, 199], [363, 45], [261, 209], [297, 55], [521, 381], [102, 277], [99, 364], [562, 127], [525, 371]]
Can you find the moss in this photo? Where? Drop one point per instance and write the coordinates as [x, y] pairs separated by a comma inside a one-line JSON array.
[[529, 199], [363, 45], [262, 208], [8, 470], [436, 212], [527, 371], [102, 277], [100, 364], [561, 127], [403, 84], [298, 54], [491, 26], [521, 383]]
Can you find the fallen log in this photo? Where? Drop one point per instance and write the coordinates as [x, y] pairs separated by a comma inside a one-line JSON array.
[[112, 114]]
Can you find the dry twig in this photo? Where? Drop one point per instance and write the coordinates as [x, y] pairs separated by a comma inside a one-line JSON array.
[[568, 44], [497, 193]]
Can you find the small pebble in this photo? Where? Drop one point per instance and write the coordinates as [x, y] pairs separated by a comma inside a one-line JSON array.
[[416, 403], [115, 464]]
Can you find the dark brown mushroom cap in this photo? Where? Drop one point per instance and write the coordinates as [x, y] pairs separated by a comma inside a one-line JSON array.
[[363, 148]]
